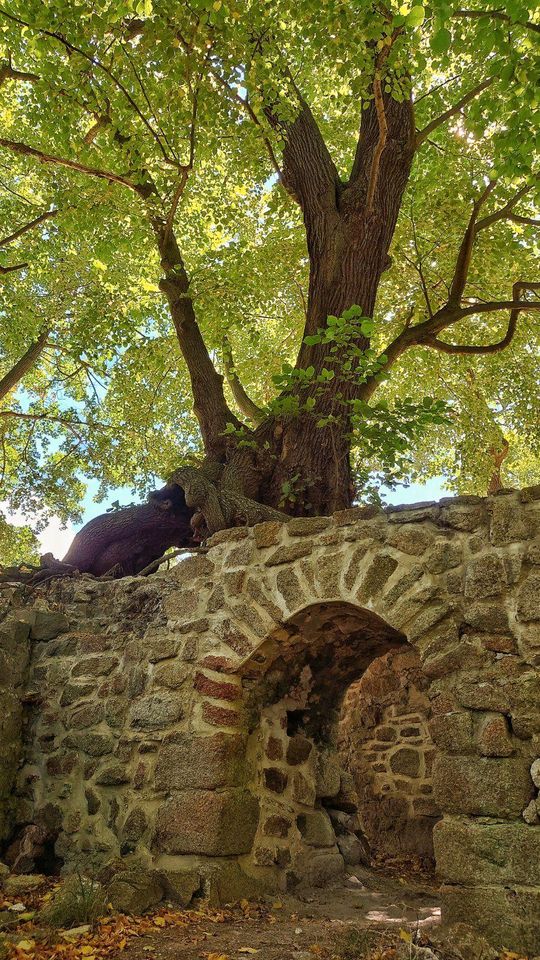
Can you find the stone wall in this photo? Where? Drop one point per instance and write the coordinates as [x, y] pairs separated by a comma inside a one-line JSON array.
[[384, 741], [180, 731]]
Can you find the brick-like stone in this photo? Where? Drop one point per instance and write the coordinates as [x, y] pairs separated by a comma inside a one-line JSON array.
[[216, 689], [207, 822], [219, 716], [288, 554]]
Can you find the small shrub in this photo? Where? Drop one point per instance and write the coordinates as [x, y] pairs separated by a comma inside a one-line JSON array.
[[79, 900]]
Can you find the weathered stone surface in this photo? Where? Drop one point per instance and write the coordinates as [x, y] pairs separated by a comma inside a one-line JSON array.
[[505, 915], [482, 786], [379, 571], [406, 762], [203, 762], [161, 699], [411, 540], [494, 738], [113, 775], [316, 829], [288, 554], [208, 822], [504, 854], [276, 826], [328, 777], [353, 850], [453, 732], [135, 891], [298, 750], [155, 711], [267, 534], [485, 576], [44, 624], [528, 607], [98, 666], [180, 886]]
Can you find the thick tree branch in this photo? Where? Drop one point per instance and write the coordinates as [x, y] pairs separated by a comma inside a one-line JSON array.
[[505, 212], [7, 72], [25, 150], [209, 404], [245, 404], [495, 15], [451, 112], [26, 362], [516, 305], [309, 173], [463, 260]]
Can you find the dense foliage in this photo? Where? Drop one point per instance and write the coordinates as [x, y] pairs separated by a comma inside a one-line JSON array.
[[120, 114]]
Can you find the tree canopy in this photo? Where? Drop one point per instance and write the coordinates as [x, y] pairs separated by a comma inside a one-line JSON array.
[[220, 128]]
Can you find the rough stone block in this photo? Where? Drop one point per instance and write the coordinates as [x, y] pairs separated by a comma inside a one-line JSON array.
[[268, 534], [453, 732], [506, 524], [298, 750], [288, 554], [411, 540], [485, 576], [528, 605], [156, 711], [208, 822], [482, 786], [316, 829], [406, 762], [380, 570], [504, 915], [470, 852], [201, 762], [493, 735]]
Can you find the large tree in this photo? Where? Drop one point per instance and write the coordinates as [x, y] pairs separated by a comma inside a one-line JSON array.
[[328, 206]]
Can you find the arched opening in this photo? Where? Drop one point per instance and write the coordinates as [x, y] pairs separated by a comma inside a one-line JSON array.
[[295, 685], [384, 742]]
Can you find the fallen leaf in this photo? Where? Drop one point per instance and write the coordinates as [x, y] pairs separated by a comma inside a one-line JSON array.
[[405, 935], [218, 956], [247, 950], [87, 950], [26, 945], [277, 905], [159, 921]]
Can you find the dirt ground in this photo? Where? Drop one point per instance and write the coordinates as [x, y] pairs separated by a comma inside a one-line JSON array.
[[295, 928]]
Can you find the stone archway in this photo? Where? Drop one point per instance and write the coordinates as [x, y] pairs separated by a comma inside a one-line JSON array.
[[294, 687], [134, 747]]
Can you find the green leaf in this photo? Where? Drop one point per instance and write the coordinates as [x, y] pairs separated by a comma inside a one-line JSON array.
[[415, 17]]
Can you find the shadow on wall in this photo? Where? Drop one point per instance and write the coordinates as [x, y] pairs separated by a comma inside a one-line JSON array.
[[295, 685], [384, 742]]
